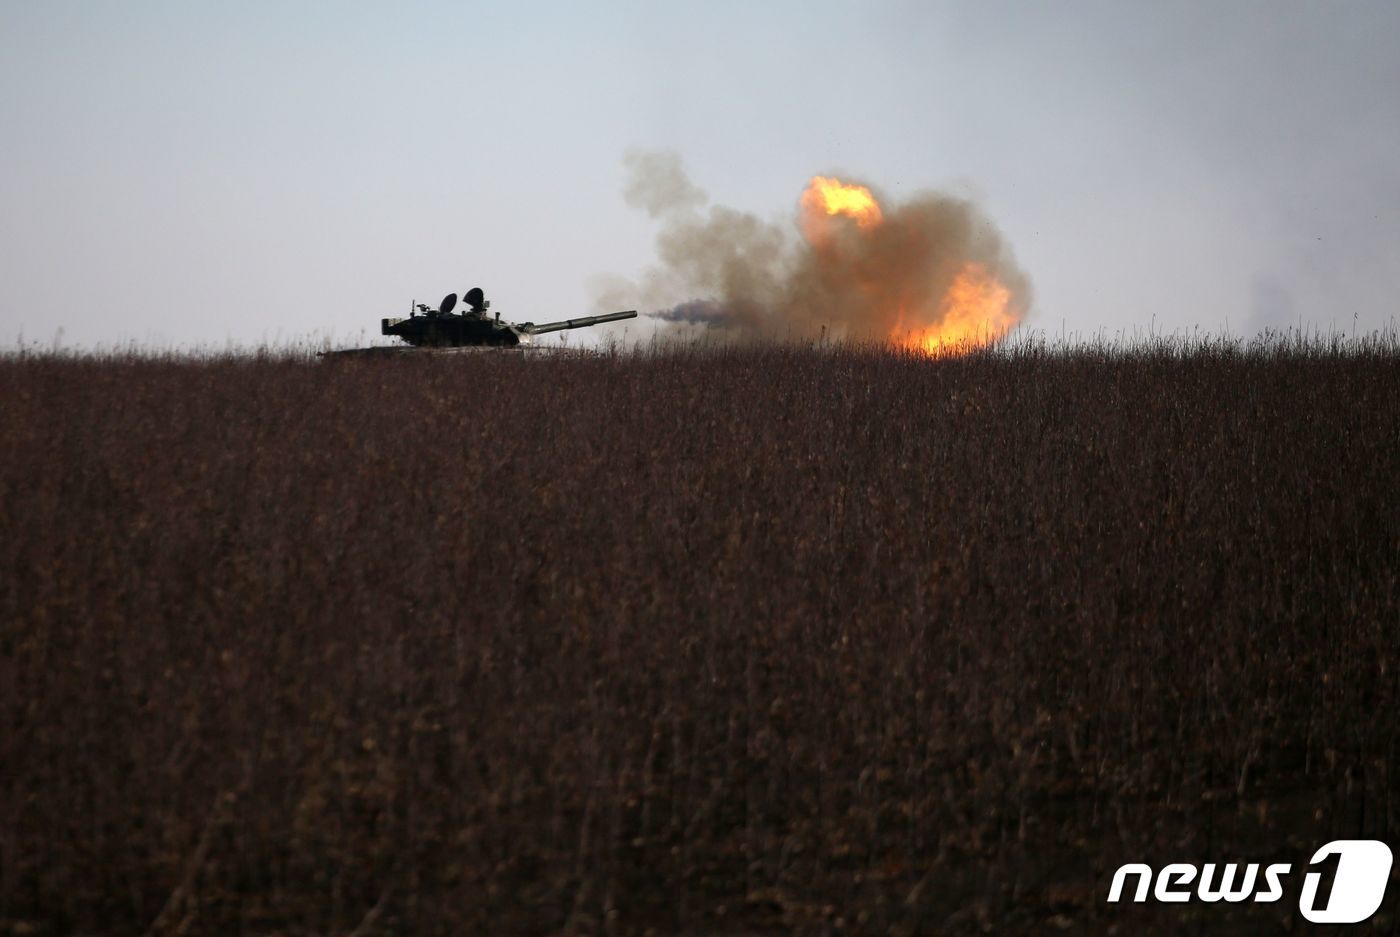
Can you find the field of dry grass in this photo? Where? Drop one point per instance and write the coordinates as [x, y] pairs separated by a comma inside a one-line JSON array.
[[710, 641]]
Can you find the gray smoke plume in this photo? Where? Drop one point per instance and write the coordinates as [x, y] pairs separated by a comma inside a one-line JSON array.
[[722, 268]]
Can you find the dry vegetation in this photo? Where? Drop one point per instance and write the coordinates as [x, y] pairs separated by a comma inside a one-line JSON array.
[[700, 642]]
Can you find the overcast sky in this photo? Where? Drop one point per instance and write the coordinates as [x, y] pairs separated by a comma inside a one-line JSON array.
[[177, 173]]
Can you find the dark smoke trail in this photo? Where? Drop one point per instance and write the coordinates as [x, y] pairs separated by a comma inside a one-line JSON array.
[[697, 312]]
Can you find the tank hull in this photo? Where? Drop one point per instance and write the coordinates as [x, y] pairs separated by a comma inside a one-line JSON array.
[[383, 352]]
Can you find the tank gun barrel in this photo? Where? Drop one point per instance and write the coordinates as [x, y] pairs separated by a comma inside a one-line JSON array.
[[533, 329]]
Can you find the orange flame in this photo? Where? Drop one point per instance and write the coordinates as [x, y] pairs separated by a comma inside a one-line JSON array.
[[973, 312], [834, 197]]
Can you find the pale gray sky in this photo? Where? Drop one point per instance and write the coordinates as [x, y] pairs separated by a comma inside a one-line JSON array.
[[180, 173]]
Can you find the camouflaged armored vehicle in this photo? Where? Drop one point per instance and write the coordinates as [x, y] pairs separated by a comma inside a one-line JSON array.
[[474, 327]]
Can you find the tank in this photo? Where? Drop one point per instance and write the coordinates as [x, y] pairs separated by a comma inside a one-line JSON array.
[[475, 327]]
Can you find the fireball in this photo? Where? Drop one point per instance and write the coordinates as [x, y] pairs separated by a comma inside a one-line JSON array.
[[974, 309], [833, 197]]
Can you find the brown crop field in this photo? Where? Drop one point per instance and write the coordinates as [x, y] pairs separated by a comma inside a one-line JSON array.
[[709, 641]]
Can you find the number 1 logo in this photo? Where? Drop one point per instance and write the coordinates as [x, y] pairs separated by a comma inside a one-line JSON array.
[[1359, 874]]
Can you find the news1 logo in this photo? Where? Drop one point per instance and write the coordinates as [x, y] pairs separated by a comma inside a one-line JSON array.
[[1345, 882]]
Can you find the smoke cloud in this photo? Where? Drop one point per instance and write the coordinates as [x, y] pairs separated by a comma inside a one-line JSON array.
[[893, 272]]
